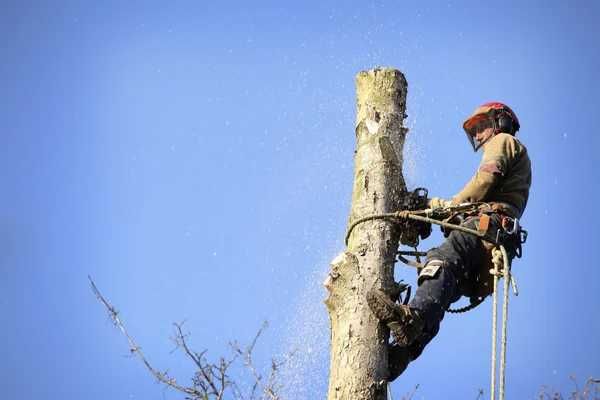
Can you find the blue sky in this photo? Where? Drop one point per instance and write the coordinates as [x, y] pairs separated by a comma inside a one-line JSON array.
[[196, 159]]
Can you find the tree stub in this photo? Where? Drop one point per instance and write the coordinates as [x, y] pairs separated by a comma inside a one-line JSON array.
[[359, 357]]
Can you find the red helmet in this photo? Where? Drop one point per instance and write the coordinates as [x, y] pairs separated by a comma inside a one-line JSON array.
[[493, 114]]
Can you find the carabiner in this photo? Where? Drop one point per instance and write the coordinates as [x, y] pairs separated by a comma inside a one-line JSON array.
[[515, 225]]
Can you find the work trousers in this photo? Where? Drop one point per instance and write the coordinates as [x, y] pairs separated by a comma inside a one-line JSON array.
[[461, 255]]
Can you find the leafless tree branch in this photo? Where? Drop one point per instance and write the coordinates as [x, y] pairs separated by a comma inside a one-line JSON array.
[[479, 394], [268, 389], [137, 350], [410, 395], [589, 391], [211, 381]]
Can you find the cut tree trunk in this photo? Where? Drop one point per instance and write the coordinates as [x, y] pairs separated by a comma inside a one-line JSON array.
[[359, 356]]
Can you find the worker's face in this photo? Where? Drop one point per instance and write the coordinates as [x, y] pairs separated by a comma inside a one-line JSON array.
[[483, 135], [480, 132]]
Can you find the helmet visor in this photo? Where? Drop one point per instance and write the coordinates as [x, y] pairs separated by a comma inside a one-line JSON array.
[[477, 125]]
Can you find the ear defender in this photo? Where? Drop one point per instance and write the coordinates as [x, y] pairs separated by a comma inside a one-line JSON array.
[[504, 124]]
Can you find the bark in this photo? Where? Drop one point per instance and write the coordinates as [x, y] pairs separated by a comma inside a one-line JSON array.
[[358, 368]]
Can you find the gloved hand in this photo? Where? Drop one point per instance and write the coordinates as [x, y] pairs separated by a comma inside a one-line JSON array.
[[438, 202]]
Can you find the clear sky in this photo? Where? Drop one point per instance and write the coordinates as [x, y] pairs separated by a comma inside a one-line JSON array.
[[195, 158]]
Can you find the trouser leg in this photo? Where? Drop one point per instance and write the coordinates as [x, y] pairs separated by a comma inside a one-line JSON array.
[[455, 262], [432, 298]]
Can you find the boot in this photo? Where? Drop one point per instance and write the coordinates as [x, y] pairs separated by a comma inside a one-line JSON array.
[[405, 324], [398, 359]]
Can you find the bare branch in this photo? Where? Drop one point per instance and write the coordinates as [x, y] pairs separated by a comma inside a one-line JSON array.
[[137, 350], [269, 388], [479, 394], [410, 395], [211, 380], [589, 391], [204, 370]]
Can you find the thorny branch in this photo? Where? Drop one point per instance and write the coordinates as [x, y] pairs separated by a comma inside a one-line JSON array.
[[211, 381]]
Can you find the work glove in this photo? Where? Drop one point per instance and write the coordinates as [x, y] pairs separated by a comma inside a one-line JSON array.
[[438, 202]]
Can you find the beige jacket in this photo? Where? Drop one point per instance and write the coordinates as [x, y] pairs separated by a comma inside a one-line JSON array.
[[504, 176]]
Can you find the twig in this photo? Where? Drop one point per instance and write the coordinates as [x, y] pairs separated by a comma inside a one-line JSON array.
[[410, 395], [268, 389], [479, 394], [137, 350], [204, 370]]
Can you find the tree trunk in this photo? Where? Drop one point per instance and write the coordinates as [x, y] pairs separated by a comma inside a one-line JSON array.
[[358, 368]]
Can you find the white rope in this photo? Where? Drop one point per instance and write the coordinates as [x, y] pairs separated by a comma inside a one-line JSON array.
[[507, 280], [495, 272], [500, 257]]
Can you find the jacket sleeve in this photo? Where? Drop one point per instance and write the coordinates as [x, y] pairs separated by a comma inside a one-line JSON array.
[[497, 157]]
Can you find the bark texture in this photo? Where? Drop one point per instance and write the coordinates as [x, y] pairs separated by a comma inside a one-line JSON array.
[[358, 368]]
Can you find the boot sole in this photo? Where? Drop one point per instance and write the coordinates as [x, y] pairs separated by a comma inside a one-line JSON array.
[[398, 319], [384, 308]]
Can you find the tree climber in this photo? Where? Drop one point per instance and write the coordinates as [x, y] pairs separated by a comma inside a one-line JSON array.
[[458, 267]]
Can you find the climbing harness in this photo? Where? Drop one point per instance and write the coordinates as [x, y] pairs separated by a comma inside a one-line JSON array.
[[417, 221]]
